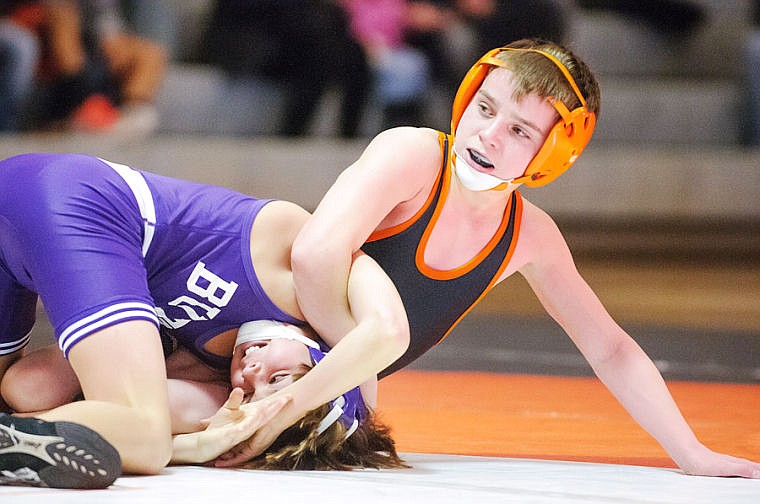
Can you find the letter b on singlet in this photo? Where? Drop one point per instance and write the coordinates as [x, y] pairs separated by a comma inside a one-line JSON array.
[[205, 284]]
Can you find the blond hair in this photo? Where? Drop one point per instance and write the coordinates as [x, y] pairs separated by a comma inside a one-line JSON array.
[[534, 73]]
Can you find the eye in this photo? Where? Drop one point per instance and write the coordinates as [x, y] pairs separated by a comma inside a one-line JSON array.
[[484, 109], [275, 379], [517, 130]]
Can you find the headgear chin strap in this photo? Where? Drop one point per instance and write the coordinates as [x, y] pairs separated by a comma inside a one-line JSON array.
[[475, 180], [348, 409], [567, 138]]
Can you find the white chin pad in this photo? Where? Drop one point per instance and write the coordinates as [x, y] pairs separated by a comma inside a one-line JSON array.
[[260, 330], [473, 179]]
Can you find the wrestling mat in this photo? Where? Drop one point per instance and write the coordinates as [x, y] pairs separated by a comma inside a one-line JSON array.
[[475, 437]]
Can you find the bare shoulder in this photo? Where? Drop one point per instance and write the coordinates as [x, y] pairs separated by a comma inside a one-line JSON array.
[[535, 220], [397, 165], [406, 136], [405, 146], [541, 241], [281, 217]]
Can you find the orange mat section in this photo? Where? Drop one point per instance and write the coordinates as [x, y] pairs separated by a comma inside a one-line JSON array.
[[555, 418]]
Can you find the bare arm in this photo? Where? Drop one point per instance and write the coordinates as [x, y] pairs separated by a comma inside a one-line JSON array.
[[227, 427], [360, 199], [379, 338], [616, 358]]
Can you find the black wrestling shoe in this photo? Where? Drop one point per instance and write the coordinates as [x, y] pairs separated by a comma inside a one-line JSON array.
[[55, 455]]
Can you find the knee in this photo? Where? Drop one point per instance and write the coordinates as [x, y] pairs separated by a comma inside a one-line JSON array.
[[29, 387]]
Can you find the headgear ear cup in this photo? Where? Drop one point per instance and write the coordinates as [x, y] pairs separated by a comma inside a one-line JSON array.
[[564, 143], [567, 138]]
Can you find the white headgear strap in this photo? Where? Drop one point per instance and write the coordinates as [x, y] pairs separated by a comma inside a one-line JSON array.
[[260, 330]]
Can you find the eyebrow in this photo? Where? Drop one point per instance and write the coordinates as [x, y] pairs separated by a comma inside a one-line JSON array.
[[520, 119]]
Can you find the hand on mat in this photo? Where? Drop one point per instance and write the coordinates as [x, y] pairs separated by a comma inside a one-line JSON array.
[[710, 463], [232, 425]]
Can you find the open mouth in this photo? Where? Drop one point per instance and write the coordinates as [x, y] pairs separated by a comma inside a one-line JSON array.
[[479, 159]]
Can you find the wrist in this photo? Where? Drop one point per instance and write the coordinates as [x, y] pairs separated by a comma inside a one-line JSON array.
[[688, 457]]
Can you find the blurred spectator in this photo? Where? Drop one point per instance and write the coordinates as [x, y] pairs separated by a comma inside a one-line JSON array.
[[304, 44], [19, 52], [155, 20], [94, 74], [453, 33], [400, 72], [751, 133], [670, 17]]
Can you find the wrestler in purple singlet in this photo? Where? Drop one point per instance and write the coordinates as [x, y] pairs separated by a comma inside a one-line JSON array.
[[101, 243]]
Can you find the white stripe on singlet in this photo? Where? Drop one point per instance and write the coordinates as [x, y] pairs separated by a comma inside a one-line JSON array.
[[103, 318], [144, 198]]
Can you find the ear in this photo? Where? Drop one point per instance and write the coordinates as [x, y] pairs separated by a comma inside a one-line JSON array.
[[562, 146]]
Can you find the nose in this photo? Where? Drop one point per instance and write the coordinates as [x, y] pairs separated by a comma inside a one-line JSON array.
[[489, 134], [252, 368], [251, 373]]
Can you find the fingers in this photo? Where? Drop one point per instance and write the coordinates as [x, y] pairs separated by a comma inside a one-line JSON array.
[[235, 399], [727, 466], [230, 410], [268, 408], [259, 415], [241, 453]]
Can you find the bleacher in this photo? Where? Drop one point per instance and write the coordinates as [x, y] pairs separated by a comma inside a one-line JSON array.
[[666, 149]]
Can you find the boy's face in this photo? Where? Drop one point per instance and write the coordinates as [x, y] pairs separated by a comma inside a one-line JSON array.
[[261, 368], [498, 135]]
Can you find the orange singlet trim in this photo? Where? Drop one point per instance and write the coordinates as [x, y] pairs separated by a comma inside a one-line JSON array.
[[500, 271], [482, 254], [394, 230]]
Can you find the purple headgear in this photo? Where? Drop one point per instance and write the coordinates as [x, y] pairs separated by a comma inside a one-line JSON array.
[[348, 409]]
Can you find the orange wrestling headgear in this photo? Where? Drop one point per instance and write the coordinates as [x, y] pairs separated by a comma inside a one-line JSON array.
[[567, 138]]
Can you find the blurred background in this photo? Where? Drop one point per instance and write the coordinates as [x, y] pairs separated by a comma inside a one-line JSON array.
[[275, 97]]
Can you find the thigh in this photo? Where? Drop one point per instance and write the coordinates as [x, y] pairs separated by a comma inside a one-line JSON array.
[[75, 236], [123, 364]]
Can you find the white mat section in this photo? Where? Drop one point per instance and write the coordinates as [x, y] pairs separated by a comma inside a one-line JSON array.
[[439, 479]]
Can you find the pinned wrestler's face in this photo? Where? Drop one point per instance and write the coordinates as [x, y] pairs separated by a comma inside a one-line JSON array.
[[261, 368]]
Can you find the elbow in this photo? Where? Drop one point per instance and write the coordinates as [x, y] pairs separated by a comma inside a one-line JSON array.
[[392, 335], [305, 257], [399, 334], [300, 258], [613, 355]]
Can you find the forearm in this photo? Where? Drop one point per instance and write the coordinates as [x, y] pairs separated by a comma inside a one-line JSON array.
[[635, 381], [357, 359], [186, 449], [381, 337]]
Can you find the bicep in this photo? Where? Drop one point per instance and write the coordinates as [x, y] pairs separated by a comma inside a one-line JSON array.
[[567, 297], [392, 169], [372, 294]]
